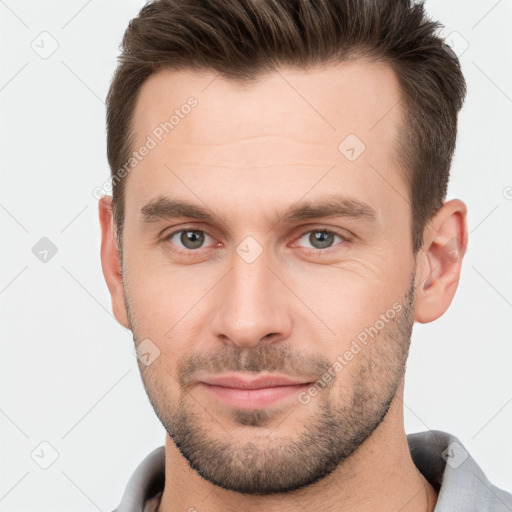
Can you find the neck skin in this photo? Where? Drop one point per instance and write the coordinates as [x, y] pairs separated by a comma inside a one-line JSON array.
[[380, 475]]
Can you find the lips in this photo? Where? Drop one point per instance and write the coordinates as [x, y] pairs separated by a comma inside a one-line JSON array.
[[256, 393], [269, 381]]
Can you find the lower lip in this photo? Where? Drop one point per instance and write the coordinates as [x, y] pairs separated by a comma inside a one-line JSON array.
[[253, 398]]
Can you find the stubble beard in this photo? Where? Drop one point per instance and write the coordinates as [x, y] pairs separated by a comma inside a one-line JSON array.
[[259, 464]]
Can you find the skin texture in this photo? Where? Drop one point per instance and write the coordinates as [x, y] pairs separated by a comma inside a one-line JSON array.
[[246, 154]]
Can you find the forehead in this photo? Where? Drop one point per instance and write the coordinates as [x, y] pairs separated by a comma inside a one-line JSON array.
[[289, 126], [357, 96]]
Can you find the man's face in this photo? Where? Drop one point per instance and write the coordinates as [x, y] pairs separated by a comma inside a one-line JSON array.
[[265, 286]]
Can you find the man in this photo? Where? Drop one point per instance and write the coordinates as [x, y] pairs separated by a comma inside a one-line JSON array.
[[278, 223]]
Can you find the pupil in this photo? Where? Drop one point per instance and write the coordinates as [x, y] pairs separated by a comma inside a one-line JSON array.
[[192, 239], [321, 239]]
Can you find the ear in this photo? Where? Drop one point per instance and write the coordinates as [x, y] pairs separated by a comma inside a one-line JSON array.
[[439, 261], [111, 261]]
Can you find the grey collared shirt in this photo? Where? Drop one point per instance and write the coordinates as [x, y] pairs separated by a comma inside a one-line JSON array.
[[441, 458]]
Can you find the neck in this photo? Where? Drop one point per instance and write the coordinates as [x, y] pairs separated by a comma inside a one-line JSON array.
[[380, 475]]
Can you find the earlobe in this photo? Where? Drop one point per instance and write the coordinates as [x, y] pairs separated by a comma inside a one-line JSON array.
[[439, 262], [111, 261]]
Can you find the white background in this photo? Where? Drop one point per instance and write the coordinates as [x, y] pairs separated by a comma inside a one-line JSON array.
[[68, 375]]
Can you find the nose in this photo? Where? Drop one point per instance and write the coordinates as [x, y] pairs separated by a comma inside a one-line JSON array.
[[252, 305]]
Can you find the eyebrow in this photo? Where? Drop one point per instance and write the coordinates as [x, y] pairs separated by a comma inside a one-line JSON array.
[[331, 206]]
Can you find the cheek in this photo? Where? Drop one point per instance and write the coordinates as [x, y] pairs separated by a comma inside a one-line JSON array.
[[168, 306], [161, 291], [351, 295]]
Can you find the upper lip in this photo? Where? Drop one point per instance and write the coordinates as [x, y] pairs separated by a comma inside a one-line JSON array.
[[263, 381]]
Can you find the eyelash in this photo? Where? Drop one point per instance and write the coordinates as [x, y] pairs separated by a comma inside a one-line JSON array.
[[344, 240]]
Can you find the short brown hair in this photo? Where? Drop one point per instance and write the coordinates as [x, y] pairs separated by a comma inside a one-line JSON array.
[[241, 39]]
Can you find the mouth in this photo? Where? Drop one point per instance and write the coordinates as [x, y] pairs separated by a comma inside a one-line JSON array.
[[256, 393]]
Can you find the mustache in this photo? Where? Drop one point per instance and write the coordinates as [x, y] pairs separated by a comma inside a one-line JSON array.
[[267, 358]]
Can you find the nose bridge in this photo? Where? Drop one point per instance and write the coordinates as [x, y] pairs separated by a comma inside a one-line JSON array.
[[251, 304]]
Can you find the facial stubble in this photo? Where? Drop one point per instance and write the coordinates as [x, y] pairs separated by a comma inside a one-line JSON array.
[[274, 463]]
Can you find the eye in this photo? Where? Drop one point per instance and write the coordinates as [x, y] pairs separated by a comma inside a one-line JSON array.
[[188, 238], [320, 238]]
